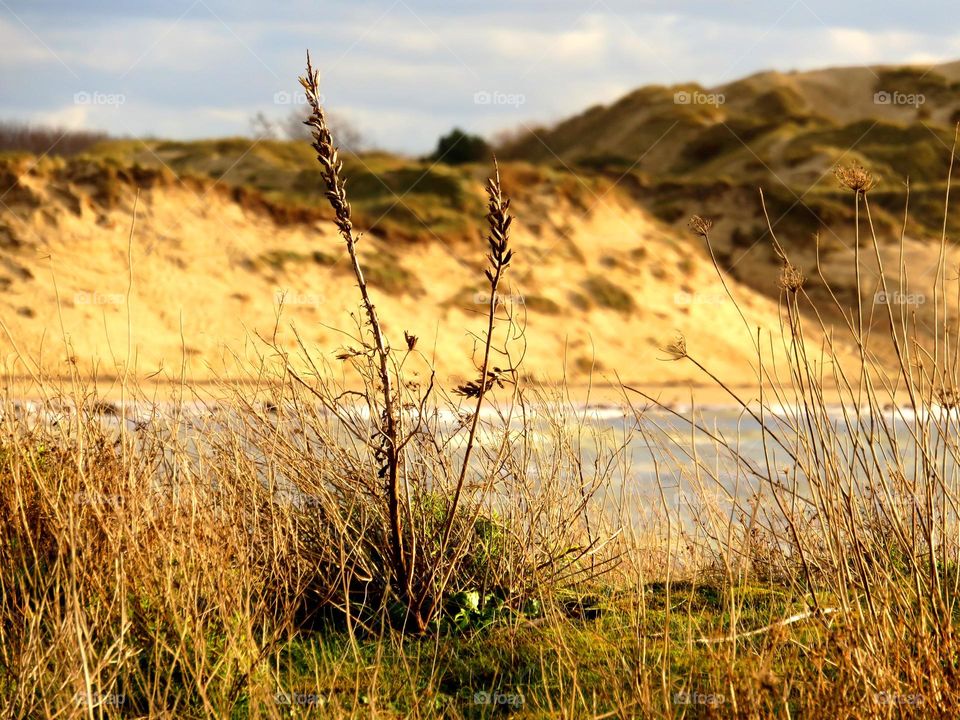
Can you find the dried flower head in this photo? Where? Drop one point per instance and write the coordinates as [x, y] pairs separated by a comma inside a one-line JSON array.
[[677, 348], [347, 353], [499, 219], [327, 154], [474, 388], [700, 226], [856, 178], [791, 278], [948, 397], [411, 340]]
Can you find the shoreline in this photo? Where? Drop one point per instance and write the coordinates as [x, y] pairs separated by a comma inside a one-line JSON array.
[[601, 397]]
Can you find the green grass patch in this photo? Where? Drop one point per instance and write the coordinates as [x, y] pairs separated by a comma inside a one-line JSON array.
[[608, 295]]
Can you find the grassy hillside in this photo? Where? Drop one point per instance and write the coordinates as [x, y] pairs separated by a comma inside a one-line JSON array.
[[396, 198], [710, 149], [783, 126]]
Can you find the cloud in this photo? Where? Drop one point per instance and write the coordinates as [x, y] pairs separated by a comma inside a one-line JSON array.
[[70, 117], [406, 71], [19, 48]]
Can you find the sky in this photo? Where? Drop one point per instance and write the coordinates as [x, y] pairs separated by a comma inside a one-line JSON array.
[[403, 72]]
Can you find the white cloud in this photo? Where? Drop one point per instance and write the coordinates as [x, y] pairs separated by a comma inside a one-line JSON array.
[[71, 117], [123, 47], [19, 47], [411, 74]]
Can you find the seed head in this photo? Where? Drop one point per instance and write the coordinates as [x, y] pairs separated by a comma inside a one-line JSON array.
[[475, 388], [677, 348], [347, 353], [855, 177], [700, 226], [791, 278], [948, 397], [499, 219]]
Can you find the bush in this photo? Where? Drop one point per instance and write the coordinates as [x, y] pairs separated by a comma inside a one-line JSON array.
[[609, 295], [459, 148]]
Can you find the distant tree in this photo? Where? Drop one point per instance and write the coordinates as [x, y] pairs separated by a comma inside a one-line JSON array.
[[39, 139], [345, 135], [458, 147], [262, 127]]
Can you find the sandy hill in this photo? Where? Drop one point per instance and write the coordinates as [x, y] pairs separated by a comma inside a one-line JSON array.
[[787, 121], [688, 148], [600, 285]]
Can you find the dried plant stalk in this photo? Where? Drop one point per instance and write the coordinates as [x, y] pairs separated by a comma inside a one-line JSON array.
[[389, 446]]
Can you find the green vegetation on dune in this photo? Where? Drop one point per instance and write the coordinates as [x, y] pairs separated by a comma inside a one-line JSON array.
[[686, 146], [396, 198], [912, 80]]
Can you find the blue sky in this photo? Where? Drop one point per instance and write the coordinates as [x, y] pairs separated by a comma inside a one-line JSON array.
[[405, 71]]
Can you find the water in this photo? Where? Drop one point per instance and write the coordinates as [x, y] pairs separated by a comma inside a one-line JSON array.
[[643, 464]]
